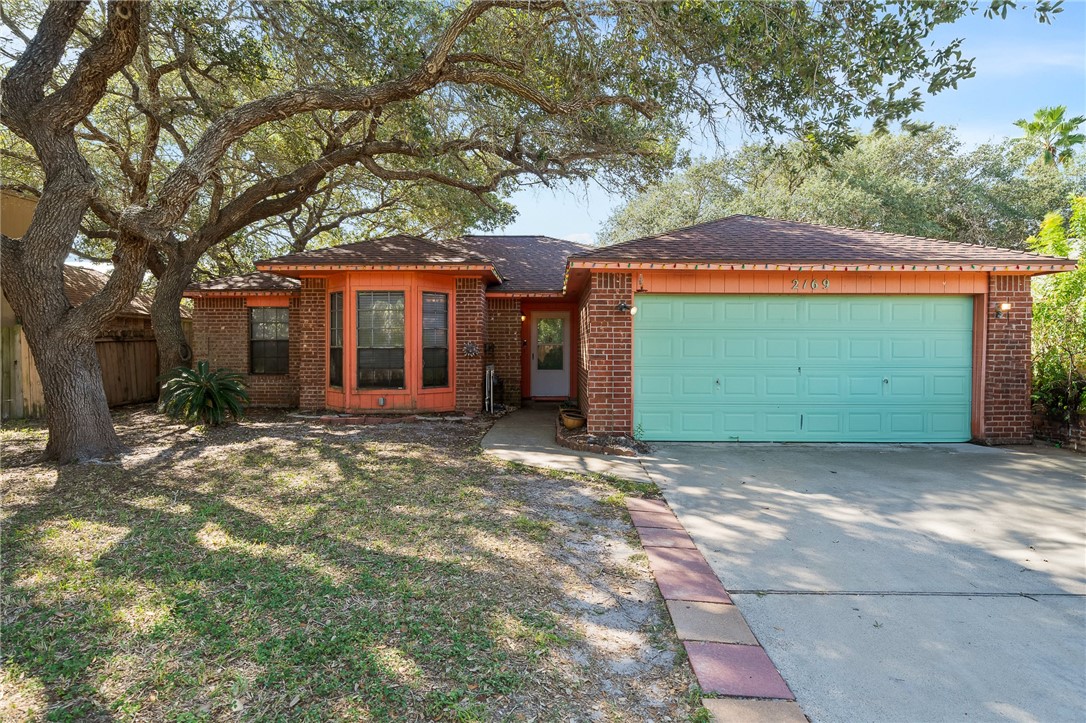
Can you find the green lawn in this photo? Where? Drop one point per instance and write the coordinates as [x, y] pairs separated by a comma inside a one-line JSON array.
[[282, 570]]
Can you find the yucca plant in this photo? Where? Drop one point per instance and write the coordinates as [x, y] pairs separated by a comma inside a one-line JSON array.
[[202, 395]]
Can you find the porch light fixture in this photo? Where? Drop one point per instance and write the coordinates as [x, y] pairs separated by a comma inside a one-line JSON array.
[[523, 317], [623, 307], [1003, 309]]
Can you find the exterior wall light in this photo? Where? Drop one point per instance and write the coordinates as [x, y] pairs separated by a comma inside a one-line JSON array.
[[623, 307], [1003, 309], [523, 318]]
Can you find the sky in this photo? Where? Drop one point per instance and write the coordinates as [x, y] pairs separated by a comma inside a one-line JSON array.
[[1021, 65]]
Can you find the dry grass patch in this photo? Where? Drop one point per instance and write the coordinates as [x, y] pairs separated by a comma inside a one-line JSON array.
[[280, 570]]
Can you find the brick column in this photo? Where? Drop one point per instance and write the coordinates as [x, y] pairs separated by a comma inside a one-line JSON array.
[[504, 344], [1008, 370], [608, 345], [470, 337], [312, 344]]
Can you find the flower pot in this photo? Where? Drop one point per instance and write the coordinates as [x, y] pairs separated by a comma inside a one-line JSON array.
[[572, 419]]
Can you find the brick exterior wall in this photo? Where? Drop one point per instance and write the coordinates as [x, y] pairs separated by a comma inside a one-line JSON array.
[[607, 337], [1007, 414], [504, 344], [220, 330], [471, 317], [312, 342]]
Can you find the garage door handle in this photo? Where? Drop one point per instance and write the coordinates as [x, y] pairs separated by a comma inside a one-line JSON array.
[[885, 380]]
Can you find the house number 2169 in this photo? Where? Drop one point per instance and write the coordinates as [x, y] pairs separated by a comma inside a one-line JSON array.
[[809, 284]]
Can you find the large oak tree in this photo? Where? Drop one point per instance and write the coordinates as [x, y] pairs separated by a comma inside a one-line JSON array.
[[165, 131]]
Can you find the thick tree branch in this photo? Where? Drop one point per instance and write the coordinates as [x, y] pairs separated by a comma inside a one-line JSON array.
[[85, 86], [24, 85]]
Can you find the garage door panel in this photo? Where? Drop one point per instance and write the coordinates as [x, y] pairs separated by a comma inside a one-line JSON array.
[[801, 369]]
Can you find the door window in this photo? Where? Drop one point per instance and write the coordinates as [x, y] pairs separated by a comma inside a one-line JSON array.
[[549, 343]]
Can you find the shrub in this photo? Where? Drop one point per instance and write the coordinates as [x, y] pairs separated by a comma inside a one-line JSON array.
[[202, 395], [1059, 318]]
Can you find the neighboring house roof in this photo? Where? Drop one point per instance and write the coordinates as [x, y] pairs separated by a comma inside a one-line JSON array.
[[256, 281], [80, 283], [757, 240], [525, 263], [399, 250]]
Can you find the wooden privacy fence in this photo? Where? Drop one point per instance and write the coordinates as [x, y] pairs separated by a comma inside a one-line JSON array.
[[129, 374], [129, 370]]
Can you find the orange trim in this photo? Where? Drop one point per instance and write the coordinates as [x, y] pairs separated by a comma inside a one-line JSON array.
[[239, 293], [828, 282], [277, 301], [525, 294], [1029, 269], [375, 267]]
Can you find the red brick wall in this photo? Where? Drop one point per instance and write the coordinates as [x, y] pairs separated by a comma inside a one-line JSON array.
[[220, 330], [313, 311], [470, 332], [504, 344], [607, 337], [1007, 415]]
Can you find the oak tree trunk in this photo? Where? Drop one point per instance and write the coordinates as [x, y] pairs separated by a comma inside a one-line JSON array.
[[173, 346], [80, 427]]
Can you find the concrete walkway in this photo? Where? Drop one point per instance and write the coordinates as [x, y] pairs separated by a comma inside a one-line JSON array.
[[527, 436]]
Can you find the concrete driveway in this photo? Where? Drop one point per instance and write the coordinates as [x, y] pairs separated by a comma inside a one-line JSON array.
[[900, 582]]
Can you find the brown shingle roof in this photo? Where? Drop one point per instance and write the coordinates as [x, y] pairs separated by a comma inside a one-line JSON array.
[[388, 251], [81, 283], [525, 263], [753, 239], [256, 281]]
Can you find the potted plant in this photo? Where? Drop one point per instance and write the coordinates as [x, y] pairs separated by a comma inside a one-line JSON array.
[[572, 418]]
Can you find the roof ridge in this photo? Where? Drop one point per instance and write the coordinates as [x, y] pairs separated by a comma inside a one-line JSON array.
[[521, 235]]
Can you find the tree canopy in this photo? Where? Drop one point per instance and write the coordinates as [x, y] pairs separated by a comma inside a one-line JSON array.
[[921, 184]]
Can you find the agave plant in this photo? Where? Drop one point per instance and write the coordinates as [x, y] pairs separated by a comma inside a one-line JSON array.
[[202, 395]]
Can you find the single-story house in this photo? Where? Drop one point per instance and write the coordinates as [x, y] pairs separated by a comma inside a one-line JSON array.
[[745, 329]]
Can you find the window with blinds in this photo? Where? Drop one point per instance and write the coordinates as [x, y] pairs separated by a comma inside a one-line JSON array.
[[335, 339], [435, 340], [269, 340], [380, 320]]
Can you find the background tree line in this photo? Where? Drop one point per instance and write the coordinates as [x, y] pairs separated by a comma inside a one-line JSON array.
[[921, 184]]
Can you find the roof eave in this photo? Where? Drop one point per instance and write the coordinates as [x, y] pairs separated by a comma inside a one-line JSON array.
[[1040, 266], [284, 269], [201, 293]]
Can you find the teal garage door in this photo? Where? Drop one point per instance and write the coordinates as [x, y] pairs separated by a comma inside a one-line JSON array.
[[803, 369]]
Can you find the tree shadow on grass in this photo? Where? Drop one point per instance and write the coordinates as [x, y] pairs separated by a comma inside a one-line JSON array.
[[272, 583]]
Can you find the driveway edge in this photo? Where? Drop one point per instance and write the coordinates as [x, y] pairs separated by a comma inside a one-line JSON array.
[[724, 654]]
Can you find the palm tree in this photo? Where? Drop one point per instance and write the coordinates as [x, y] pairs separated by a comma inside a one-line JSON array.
[[1056, 136]]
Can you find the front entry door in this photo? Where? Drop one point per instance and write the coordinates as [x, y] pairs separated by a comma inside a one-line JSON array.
[[550, 354]]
